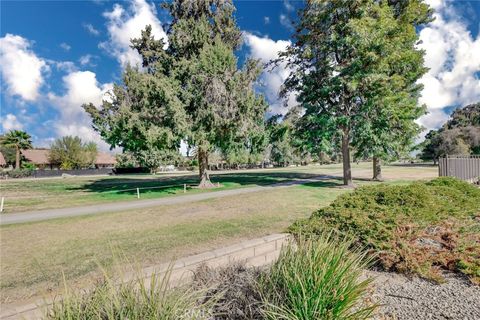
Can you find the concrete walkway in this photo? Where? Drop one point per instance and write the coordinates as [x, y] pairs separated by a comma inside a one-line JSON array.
[[41, 215]]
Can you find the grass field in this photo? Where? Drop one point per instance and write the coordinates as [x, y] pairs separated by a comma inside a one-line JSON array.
[[33, 256], [37, 194]]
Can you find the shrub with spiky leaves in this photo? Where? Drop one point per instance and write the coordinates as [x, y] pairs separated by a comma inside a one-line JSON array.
[[317, 278], [138, 299]]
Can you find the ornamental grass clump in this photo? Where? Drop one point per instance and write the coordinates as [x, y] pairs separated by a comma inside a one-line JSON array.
[[138, 299], [317, 279]]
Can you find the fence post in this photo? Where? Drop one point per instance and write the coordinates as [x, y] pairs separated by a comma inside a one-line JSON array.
[[1, 204], [440, 166], [138, 193], [184, 188]]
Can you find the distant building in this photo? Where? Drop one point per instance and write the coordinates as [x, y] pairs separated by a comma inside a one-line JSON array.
[[40, 158], [105, 160], [3, 163]]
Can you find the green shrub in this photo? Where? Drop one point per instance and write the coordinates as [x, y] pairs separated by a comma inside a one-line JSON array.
[[316, 279], [421, 227], [19, 173], [28, 166], [134, 300]]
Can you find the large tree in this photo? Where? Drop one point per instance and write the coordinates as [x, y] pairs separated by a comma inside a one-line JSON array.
[[190, 90], [343, 60], [389, 129], [18, 140]]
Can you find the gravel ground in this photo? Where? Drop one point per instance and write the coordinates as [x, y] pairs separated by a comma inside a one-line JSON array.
[[405, 298], [400, 297]]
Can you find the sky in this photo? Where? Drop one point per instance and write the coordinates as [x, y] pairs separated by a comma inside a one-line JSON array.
[[57, 55]]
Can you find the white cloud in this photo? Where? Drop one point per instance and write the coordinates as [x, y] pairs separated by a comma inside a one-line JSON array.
[[65, 46], [452, 54], [81, 87], [126, 24], [10, 122], [91, 29], [286, 22], [67, 66], [266, 50], [434, 119], [288, 6], [87, 60], [20, 67], [266, 20]]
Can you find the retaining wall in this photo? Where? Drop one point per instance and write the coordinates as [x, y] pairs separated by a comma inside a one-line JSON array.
[[255, 253]]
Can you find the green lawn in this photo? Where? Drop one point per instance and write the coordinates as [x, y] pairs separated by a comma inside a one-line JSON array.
[[37, 194], [33, 256]]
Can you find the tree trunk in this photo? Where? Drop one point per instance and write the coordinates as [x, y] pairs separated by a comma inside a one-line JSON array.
[[377, 169], [17, 158], [347, 168], [203, 169]]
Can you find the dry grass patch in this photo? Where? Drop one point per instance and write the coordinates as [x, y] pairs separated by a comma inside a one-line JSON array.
[[33, 256]]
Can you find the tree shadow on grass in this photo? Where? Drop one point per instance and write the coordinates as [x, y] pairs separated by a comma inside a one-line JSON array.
[[410, 165], [175, 184]]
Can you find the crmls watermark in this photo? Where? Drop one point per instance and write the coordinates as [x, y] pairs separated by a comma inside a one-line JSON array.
[[195, 314]]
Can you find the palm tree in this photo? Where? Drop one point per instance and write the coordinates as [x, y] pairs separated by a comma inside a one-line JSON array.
[[19, 140]]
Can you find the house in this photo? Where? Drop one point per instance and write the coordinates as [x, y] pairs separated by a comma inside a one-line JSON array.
[[40, 158], [105, 160], [3, 163]]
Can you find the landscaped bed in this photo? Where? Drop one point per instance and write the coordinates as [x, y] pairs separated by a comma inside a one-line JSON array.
[[421, 228], [426, 228], [312, 279]]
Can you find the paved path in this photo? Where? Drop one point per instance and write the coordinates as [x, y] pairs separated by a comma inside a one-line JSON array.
[[40, 215]]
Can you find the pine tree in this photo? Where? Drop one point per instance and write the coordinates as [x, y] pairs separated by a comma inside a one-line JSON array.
[[191, 89]]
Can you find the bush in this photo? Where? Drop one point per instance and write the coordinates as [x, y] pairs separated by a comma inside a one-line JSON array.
[[19, 173], [29, 166], [134, 300], [316, 279], [418, 228]]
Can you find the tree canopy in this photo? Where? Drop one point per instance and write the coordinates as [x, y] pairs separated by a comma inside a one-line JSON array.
[[459, 135], [284, 144], [190, 89], [354, 67], [72, 153], [18, 140]]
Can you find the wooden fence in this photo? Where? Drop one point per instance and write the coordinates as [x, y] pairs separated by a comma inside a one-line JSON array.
[[466, 168]]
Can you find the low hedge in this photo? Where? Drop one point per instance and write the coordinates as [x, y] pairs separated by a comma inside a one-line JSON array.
[[18, 173], [419, 228]]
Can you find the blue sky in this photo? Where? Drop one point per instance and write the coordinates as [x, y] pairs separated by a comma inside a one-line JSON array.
[[56, 55]]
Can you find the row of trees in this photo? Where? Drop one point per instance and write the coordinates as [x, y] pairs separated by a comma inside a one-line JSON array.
[[355, 67], [69, 152], [459, 135]]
